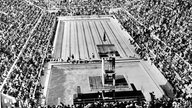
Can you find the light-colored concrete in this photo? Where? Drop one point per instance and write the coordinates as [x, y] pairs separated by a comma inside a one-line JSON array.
[[65, 43], [65, 79], [79, 36], [90, 43]]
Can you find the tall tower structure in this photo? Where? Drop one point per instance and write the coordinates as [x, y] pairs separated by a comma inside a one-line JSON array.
[[108, 70], [107, 53]]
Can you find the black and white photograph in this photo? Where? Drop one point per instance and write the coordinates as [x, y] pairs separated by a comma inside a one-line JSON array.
[[95, 53]]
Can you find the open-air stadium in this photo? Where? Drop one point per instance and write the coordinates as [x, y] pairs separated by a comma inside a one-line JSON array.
[[95, 54]]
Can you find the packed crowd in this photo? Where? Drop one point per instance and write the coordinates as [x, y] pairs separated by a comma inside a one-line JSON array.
[[23, 23], [170, 22], [23, 83], [17, 20], [89, 7], [156, 103], [167, 46], [161, 32], [164, 38], [40, 3]]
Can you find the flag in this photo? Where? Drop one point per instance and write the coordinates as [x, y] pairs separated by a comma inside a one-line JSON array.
[[104, 36]]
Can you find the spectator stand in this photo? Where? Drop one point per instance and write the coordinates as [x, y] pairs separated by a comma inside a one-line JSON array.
[[45, 58], [180, 59], [176, 56], [151, 53], [21, 52]]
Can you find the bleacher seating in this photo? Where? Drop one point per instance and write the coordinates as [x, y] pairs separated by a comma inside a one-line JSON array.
[[161, 27]]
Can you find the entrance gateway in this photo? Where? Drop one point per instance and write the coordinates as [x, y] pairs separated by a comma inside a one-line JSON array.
[[108, 87]]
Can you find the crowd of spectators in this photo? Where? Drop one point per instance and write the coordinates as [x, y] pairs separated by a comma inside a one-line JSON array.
[[156, 103], [161, 29], [167, 46], [89, 7], [17, 20], [43, 4], [23, 83], [170, 21]]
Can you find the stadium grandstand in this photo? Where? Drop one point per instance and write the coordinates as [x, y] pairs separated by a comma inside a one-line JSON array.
[[95, 54]]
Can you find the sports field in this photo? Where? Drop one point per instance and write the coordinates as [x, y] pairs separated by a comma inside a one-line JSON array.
[[79, 36]]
